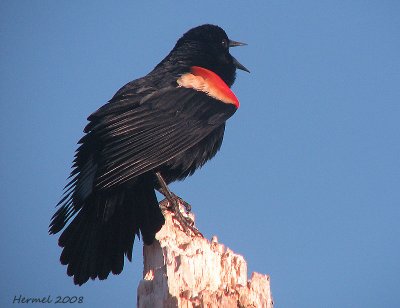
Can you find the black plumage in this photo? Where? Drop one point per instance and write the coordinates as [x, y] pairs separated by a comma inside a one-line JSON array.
[[150, 125]]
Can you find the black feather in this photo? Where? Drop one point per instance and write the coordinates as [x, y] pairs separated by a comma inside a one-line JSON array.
[[150, 125]]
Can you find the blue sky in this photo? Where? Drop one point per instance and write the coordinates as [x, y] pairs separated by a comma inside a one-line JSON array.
[[306, 185]]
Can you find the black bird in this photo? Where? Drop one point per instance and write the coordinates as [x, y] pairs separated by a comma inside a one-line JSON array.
[[155, 130]]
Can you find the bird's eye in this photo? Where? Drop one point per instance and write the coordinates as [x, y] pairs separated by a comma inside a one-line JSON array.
[[225, 43]]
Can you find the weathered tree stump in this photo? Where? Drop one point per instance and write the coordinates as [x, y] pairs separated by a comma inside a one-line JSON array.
[[189, 271]]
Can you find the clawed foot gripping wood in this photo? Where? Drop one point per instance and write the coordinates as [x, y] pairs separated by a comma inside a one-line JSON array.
[[183, 269]]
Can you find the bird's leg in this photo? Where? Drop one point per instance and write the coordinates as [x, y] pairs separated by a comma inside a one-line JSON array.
[[167, 193], [174, 201]]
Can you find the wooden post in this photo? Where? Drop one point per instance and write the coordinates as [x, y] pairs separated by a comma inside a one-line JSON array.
[[189, 271]]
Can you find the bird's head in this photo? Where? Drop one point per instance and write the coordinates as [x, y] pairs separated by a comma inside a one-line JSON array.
[[208, 46]]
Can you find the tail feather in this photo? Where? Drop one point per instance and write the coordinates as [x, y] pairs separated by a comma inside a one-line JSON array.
[[150, 213], [103, 231]]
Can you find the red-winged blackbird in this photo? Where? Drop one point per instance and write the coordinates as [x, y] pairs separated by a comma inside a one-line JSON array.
[[155, 130]]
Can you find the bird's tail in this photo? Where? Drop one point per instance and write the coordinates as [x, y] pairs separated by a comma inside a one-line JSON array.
[[103, 231]]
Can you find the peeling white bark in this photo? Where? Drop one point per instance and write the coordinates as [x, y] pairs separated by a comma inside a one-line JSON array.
[[188, 271]]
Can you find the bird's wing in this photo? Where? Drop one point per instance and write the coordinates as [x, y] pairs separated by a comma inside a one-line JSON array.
[[132, 141]]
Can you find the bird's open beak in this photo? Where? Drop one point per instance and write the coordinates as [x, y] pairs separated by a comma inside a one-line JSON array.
[[239, 65], [236, 62]]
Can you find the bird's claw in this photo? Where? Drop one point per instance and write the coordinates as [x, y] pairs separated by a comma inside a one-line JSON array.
[[173, 205], [186, 222], [187, 206]]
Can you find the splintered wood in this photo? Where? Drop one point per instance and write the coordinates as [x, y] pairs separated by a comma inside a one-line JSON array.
[[189, 271]]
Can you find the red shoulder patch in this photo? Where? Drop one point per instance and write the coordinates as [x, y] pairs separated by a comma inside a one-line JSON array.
[[204, 80]]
